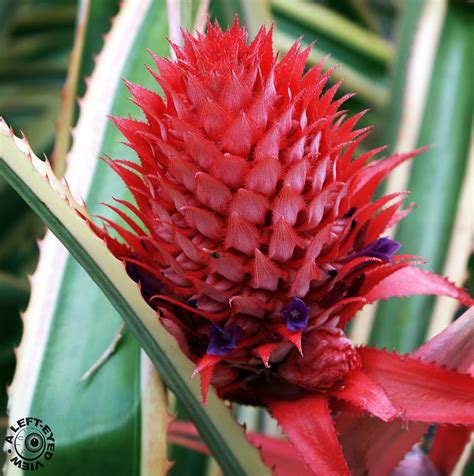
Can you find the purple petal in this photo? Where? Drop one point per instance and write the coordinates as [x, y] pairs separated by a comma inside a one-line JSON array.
[[149, 284], [383, 248], [296, 315], [415, 463], [223, 340]]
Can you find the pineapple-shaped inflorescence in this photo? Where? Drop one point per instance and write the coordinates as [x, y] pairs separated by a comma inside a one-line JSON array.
[[260, 238]]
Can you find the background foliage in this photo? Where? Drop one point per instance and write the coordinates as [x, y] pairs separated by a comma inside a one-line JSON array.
[[376, 41]]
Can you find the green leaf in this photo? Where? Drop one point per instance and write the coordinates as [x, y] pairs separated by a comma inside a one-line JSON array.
[[407, 27], [327, 22], [436, 176], [253, 14], [108, 414], [94, 21], [33, 62]]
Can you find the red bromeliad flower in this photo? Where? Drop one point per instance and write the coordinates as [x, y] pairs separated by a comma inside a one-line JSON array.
[[261, 239]]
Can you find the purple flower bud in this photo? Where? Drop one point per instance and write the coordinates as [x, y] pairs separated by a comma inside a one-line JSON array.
[[223, 340], [383, 248], [149, 284], [296, 315]]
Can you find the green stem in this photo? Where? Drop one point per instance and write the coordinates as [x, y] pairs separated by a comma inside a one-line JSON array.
[[324, 21]]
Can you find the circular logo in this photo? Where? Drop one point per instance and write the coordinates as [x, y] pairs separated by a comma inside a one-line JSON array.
[[29, 443]]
